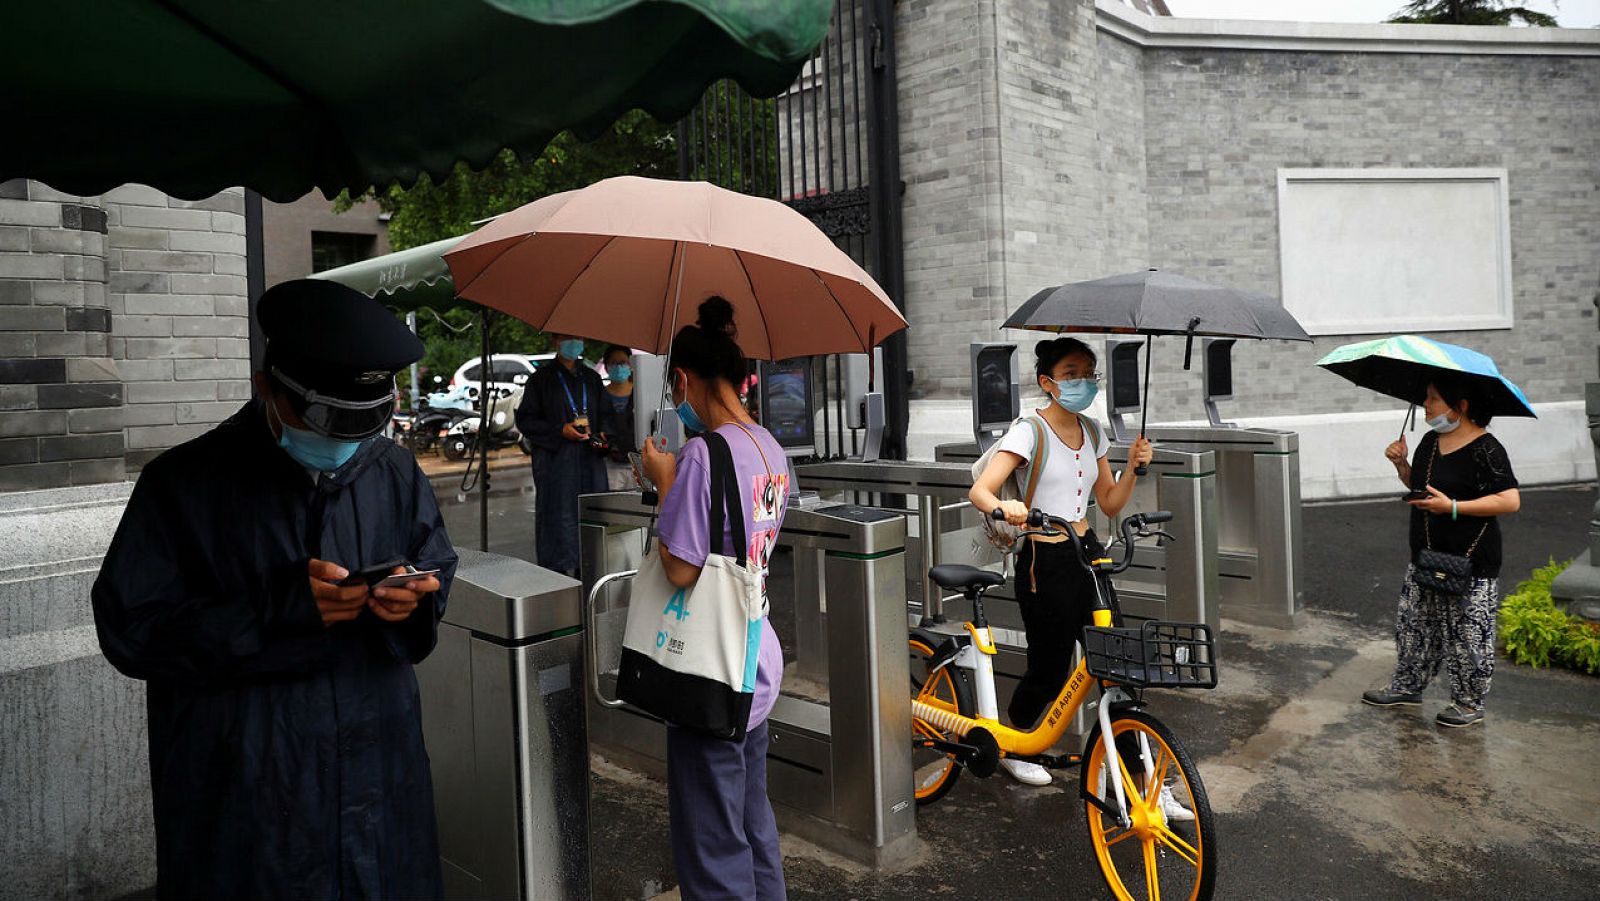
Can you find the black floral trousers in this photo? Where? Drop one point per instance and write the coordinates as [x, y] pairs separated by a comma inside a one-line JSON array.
[[1433, 629]]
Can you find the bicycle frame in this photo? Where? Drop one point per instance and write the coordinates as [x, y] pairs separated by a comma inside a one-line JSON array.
[[977, 657]]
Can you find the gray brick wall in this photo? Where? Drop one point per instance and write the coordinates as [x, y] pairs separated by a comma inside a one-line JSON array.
[[123, 329], [1224, 122], [59, 388], [1037, 150], [950, 163], [180, 326]]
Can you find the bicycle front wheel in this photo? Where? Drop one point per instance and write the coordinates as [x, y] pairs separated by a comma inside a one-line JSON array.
[[1168, 849]]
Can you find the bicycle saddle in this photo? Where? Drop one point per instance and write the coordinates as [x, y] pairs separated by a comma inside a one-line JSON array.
[[959, 576]]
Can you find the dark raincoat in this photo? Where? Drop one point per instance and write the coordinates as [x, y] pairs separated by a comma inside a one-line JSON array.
[[562, 469], [286, 757]]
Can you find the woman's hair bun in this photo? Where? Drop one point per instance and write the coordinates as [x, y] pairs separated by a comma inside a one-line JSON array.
[[716, 316]]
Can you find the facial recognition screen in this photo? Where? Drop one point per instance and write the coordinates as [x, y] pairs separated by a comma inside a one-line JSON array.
[[787, 407], [1125, 376], [992, 386], [1219, 369]]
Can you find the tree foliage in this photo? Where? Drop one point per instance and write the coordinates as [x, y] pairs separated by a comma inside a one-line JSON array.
[[636, 144], [1471, 12]]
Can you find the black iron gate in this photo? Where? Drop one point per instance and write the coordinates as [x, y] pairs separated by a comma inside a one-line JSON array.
[[830, 148]]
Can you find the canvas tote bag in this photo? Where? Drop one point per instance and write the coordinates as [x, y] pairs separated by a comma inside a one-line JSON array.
[[689, 655]]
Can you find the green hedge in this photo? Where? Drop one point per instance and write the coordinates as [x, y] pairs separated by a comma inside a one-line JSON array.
[[1535, 633]]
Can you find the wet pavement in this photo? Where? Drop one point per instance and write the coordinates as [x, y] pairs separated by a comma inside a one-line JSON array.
[[1316, 795]]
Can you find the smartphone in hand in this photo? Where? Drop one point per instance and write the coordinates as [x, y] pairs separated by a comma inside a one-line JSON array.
[[637, 459], [401, 580], [1418, 495]]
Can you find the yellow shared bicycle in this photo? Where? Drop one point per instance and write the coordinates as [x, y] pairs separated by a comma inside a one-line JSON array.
[[1150, 823]]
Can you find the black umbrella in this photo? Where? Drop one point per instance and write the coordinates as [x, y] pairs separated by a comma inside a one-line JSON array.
[[1154, 303]]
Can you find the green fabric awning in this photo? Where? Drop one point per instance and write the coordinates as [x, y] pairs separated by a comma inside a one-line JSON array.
[[191, 96], [406, 279]]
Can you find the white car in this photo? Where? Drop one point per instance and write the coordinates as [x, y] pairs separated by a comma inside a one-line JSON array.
[[507, 372]]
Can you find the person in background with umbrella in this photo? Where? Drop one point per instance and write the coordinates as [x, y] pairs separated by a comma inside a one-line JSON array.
[[1462, 480], [560, 414], [618, 428], [724, 836], [1053, 589]]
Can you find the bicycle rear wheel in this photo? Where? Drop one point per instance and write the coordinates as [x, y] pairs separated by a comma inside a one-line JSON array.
[[934, 772], [1169, 849]]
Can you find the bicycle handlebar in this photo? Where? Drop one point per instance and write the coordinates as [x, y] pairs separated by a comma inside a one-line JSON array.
[[1135, 526]]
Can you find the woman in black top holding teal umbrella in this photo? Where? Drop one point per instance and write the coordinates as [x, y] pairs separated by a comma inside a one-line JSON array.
[[1459, 482]]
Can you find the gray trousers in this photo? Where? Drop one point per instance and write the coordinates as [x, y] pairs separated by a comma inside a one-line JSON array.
[[724, 837]]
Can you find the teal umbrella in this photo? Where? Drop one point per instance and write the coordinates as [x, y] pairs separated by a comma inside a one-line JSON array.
[[1405, 365], [194, 96]]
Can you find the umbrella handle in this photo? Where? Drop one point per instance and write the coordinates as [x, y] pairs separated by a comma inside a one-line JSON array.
[[1144, 412]]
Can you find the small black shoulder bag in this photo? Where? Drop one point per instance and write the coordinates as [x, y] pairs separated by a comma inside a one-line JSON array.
[[1437, 571]]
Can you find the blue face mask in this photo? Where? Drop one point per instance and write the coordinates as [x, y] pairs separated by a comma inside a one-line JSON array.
[[621, 372], [686, 415], [691, 421], [1076, 394], [311, 450], [572, 348]]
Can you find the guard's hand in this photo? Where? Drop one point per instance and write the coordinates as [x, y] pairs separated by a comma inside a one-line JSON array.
[[337, 603], [1396, 451], [393, 605], [571, 433], [1436, 502], [660, 467], [1016, 512], [1141, 453]]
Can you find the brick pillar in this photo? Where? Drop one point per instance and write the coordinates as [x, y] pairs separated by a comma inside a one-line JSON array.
[[60, 390], [180, 317]]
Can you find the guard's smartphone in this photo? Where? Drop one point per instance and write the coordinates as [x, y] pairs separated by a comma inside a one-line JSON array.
[[374, 574], [1415, 496], [401, 580]]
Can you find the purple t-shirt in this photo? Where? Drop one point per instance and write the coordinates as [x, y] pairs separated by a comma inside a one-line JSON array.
[[685, 527]]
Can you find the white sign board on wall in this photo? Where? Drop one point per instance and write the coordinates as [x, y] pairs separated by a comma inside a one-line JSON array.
[[1380, 251]]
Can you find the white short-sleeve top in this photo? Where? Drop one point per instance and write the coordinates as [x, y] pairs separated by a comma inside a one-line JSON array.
[[1066, 487]]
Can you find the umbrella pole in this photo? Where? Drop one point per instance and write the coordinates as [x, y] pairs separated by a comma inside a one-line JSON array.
[[1144, 408], [666, 369], [1409, 422]]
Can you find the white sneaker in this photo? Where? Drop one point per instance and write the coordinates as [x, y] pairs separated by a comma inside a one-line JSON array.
[[1025, 772], [1173, 809]]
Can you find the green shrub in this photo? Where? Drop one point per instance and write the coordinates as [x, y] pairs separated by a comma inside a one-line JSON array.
[[1535, 633]]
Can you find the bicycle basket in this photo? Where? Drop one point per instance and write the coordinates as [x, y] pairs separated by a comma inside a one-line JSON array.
[[1156, 655]]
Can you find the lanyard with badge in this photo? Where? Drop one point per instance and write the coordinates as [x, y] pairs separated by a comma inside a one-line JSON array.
[[580, 415]]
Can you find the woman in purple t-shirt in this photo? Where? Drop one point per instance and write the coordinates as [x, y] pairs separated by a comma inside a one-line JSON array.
[[724, 837]]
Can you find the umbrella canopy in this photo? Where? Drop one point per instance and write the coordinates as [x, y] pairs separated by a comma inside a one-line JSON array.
[[1156, 303], [628, 260], [291, 95], [1403, 366]]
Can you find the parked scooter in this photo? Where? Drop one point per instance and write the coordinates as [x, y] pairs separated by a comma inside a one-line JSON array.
[[425, 430], [462, 437]]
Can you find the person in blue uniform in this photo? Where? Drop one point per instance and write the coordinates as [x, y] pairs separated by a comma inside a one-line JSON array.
[[562, 411], [286, 754]]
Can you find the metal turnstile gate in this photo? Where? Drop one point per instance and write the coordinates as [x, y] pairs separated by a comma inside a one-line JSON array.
[[839, 764], [503, 718]]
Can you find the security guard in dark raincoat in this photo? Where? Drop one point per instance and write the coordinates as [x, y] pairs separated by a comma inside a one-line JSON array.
[[286, 752]]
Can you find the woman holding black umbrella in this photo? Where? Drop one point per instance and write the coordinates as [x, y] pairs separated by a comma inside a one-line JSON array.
[[1461, 482], [1053, 590]]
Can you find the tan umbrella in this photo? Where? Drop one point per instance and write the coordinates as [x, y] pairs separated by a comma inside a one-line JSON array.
[[628, 260]]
